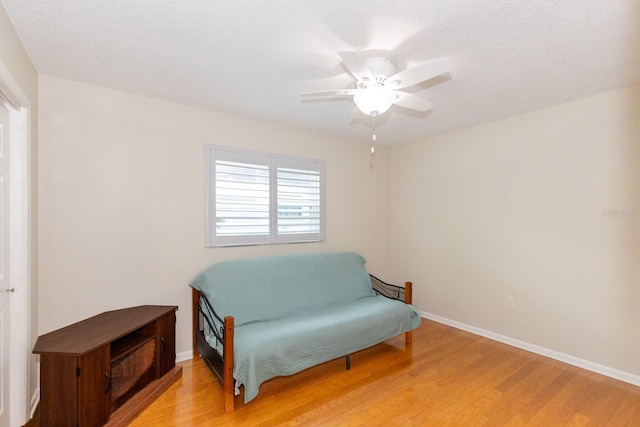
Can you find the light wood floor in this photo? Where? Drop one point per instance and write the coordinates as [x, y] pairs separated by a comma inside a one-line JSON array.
[[446, 378]]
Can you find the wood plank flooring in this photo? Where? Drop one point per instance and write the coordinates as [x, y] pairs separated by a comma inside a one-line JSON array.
[[447, 377]]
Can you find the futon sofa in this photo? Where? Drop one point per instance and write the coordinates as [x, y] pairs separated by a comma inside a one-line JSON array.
[[256, 319]]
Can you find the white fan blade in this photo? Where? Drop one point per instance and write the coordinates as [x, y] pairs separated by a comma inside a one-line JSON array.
[[338, 92], [411, 101], [357, 67], [420, 73]]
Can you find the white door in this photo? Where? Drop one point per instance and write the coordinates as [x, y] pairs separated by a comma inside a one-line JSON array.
[[5, 286]]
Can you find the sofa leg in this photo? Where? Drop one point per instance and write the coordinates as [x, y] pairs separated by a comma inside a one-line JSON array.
[[348, 361]]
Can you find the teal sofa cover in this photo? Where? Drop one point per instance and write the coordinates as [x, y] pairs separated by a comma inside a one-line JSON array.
[[292, 312]]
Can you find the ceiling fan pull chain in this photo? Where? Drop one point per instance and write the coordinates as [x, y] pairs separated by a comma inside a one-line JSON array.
[[373, 135]]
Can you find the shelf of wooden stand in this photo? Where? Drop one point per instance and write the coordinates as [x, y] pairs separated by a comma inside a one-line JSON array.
[[132, 341]]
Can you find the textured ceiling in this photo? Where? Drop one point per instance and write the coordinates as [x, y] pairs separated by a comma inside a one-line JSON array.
[[253, 58]]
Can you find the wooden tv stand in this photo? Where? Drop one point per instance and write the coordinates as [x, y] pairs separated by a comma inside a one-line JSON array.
[[107, 369]]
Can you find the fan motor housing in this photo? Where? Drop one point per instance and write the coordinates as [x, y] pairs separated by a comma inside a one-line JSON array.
[[381, 68]]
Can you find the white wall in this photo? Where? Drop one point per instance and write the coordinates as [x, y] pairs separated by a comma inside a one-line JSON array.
[[517, 208], [514, 207], [122, 199]]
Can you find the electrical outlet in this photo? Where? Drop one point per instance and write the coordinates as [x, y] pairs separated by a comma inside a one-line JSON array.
[[511, 303]]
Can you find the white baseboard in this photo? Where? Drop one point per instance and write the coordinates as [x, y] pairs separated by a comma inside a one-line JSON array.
[[35, 399], [571, 360], [184, 355]]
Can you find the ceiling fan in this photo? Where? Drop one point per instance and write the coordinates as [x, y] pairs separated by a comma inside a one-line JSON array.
[[378, 85]]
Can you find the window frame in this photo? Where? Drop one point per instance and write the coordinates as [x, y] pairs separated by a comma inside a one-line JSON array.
[[275, 162]]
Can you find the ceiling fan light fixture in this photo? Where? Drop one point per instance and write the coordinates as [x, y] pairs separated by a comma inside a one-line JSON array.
[[374, 100]]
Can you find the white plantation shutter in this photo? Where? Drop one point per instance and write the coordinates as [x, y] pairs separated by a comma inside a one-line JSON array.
[[299, 196], [258, 198]]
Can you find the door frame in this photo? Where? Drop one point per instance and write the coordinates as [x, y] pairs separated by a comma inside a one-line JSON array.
[[20, 359]]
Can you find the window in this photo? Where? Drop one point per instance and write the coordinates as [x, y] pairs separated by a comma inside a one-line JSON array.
[[258, 198]]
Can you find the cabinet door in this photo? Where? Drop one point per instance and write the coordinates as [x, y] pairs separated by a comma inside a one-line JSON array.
[[166, 333], [94, 388], [58, 390]]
